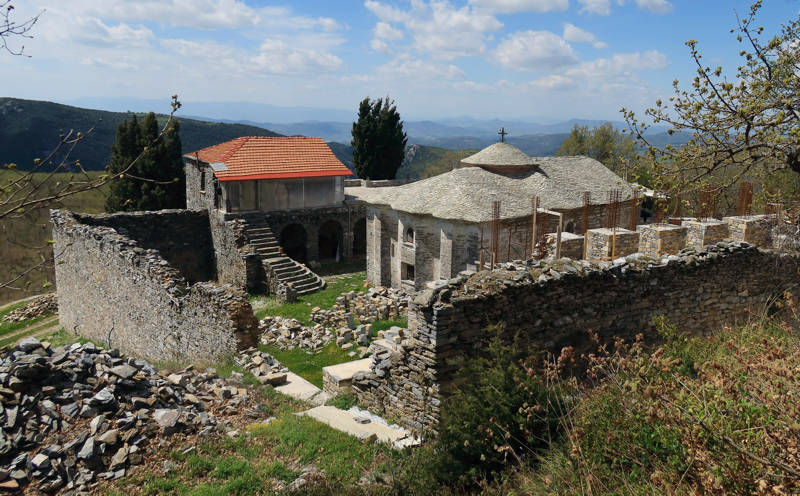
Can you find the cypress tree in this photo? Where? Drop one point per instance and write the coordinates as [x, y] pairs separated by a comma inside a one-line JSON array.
[[157, 179], [378, 140]]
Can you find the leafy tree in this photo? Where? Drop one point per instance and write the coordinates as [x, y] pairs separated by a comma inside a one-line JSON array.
[[157, 179], [379, 141], [745, 125], [608, 145]]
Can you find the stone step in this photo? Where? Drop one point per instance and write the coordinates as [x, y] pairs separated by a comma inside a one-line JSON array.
[[362, 425], [287, 270], [300, 389], [305, 276], [337, 379], [308, 288]]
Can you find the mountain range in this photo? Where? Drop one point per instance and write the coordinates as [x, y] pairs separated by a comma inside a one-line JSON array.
[[30, 129]]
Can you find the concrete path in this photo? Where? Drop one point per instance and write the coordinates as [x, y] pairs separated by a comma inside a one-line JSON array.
[[361, 424], [300, 389]]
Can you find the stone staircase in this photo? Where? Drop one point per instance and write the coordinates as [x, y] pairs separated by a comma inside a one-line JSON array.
[[289, 272]]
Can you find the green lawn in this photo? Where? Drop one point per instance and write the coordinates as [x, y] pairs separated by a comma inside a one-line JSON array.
[[308, 365], [382, 325], [300, 310]]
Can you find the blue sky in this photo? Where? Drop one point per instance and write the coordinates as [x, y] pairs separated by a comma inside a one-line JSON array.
[[535, 60]]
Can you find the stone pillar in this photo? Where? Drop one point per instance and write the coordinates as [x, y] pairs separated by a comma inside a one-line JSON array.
[[347, 243], [312, 241], [702, 233], [753, 229], [571, 245], [445, 254], [599, 243], [426, 247], [659, 239]]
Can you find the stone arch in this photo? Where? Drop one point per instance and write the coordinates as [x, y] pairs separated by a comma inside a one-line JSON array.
[[293, 241], [330, 235], [570, 227], [360, 238]]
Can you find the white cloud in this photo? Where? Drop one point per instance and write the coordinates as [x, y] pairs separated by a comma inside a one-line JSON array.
[[656, 6], [379, 45], [552, 82], [578, 35], [403, 67], [384, 31], [278, 57], [600, 7], [535, 50], [205, 14], [620, 65], [438, 28], [513, 6]]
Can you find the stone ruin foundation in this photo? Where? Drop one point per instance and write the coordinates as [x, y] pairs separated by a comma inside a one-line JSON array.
[[145, 283], [571, 245], [599, 243], [753, 229], [705, 232], [659, 239]]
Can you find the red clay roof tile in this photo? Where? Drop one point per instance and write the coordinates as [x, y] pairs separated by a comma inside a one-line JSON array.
[[259, 157]]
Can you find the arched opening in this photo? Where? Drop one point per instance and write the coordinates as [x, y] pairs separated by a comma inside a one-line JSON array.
[[360, 238], [409, 236], [330, 241], [570, 227], [293, 241]]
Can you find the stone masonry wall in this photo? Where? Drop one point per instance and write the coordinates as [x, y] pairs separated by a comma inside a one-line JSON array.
[[182, 237], [659, 239], [554, 304], [120, 294]]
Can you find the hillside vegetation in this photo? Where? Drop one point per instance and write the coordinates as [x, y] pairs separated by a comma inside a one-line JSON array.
[[30, 129], [428, 161], [23, 240]]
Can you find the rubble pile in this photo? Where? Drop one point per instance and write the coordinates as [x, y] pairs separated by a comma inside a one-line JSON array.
[[288, 334], [71, 416], [41, 305], [379, 303], [263, 366]]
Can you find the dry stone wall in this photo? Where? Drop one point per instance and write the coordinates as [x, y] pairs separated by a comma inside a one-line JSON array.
[[116, 292], [181, 237], [554, 304]]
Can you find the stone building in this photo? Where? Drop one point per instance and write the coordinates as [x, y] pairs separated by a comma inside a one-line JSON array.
[[294, 185], [435, 228]]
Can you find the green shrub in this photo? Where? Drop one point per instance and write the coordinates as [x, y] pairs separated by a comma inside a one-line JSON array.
[[502, 412]]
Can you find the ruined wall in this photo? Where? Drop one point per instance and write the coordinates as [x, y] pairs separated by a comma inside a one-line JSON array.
[[236, 264], [200, 186], [120, 294], [554, 304], [182, 237]]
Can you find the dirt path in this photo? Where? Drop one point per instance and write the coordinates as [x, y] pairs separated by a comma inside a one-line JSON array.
[[37, 329]]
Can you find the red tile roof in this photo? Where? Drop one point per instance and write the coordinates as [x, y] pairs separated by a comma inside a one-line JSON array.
[[258, 157]]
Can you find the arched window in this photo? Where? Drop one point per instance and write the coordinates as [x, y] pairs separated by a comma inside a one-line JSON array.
[[409, 237]]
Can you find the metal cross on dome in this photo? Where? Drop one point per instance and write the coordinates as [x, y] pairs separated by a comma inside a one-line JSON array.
[[502, 134]]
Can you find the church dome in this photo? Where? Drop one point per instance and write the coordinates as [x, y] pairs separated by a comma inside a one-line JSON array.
[[501, 157]]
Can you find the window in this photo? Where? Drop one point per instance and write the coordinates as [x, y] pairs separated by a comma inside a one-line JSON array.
[[202, 180], [407, 272], [409, 236]]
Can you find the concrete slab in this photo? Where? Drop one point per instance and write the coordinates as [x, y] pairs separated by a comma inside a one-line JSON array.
[[346, 370], [351, 422], [300, 389]]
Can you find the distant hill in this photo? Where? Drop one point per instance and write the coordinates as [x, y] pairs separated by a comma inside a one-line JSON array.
[[30, 129], [427, 161]]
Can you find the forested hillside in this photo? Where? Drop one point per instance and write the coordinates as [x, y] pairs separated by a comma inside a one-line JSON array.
[[30, 129]]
